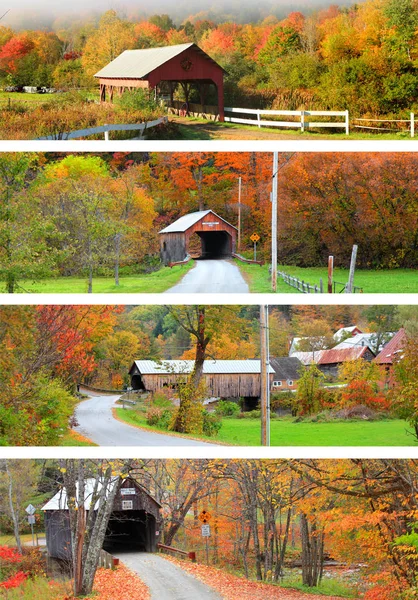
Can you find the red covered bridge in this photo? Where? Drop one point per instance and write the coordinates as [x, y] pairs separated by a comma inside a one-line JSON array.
[[184, 64]]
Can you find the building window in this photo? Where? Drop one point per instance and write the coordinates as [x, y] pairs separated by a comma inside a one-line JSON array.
[[289, 382], [277, 384]]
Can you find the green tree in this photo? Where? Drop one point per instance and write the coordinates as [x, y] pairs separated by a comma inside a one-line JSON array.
[[25, 236]]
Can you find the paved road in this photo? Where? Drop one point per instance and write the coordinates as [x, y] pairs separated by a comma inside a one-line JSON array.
[[96, 422], [165, 580], [216, 276]]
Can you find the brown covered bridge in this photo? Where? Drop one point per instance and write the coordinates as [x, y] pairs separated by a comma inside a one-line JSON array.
[[202, 234]]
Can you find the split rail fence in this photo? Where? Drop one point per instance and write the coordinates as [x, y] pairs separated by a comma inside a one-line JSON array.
[[176, 552], [307, 288], [106, 129]]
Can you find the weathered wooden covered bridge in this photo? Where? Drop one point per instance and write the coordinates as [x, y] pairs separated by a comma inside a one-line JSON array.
[[202, 234], [184, 64], [134, 522], [223, 378]]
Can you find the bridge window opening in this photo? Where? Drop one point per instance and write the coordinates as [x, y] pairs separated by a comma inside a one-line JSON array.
[[133, 530], [215, 244]]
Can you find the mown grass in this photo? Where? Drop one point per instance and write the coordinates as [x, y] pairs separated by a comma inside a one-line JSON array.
[[286, 432], [385, 281], [327, 587], [158, 281]]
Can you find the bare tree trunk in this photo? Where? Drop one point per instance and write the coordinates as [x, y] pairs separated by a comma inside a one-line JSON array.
[[312, 552], [13, 512]]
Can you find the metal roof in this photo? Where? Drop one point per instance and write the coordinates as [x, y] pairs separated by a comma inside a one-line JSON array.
[[286, 367], [393, 347], [210, 367], [338, 334], [332, 355], [136, 64], [59, 501], [186, 221]]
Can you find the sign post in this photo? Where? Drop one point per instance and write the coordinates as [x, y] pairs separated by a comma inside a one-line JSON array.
[[255, 238], [31, 520], [204, 518]]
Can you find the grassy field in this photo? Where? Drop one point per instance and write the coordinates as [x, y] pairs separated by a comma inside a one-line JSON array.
[[285, 432], [394, 281], [159, 281], [72, 438]]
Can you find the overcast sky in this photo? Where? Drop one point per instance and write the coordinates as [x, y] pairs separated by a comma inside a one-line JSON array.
[[46, 11]]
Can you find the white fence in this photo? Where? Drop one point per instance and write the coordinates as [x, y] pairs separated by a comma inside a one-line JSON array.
[[300, 121], [410, 124], [72, 135]]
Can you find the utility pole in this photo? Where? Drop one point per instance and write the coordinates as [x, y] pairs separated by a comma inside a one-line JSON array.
[[265, 375], [274, 222], [239, 214]]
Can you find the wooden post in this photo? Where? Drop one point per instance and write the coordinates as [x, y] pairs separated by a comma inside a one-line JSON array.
[[330, 273], [265, 378], [412, 125], [302, 121], [274, 222], [350, 284], [347, 122], [321, 285], [258, 119]]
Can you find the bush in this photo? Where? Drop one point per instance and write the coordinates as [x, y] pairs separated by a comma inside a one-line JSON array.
[[159, 417], [282, 400], [363, 393], [226, 408], [251, 414], [161, 400], [138, 100], [211, 423]]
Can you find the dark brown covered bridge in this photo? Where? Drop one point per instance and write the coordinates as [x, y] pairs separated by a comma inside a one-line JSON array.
[[134, 523], [153, 68], [202, 234]]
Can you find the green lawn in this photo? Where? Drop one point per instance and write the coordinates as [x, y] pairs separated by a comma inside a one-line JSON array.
[[286, 432], [159, 281], [384, 281]]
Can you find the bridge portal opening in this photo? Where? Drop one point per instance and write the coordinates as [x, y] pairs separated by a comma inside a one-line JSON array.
[[215, 244], [137, 383], [130, 530]]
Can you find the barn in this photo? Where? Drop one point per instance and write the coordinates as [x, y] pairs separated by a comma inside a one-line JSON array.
[[134, 522], [202, 234], [329, 360], [162, 69], [223, 378], [390, 355]]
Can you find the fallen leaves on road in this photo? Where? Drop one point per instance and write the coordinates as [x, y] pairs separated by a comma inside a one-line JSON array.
[[231, 587]]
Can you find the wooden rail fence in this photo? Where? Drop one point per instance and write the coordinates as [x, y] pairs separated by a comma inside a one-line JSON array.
[[410, 124], [170, 550], [248, 260], [301, 286], [300, 118], [106, 560], [79, 133]]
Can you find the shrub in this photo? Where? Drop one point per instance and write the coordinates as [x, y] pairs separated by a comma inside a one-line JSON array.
[[251, 414], [211, 423], [282, 400], [138, 100], [362, 393], [227, 408], [159, 417], [161, 400]]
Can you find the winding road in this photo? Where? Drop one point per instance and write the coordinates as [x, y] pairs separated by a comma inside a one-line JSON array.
[[96, 422], [165, 580], [212, 276]]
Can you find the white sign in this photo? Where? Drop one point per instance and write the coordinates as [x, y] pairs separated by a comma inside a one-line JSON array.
[[211, 224], [127, 505], [31, 510], [31, 519], [127, 492], [205, 530]]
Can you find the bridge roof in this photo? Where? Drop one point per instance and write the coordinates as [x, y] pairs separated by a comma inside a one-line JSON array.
[[210, 367], [186, 221], [136, 64]]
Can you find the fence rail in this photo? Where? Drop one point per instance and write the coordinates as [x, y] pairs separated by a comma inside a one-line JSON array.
[[300, 121], [142, 127], [106, 560], [343, 286], [301, 286], [171, 550], [410, 122], [180, 262], [248, 260]]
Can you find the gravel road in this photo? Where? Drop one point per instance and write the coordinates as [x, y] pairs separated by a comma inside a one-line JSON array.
[[165, 580], [212, 276], [96, 422]]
